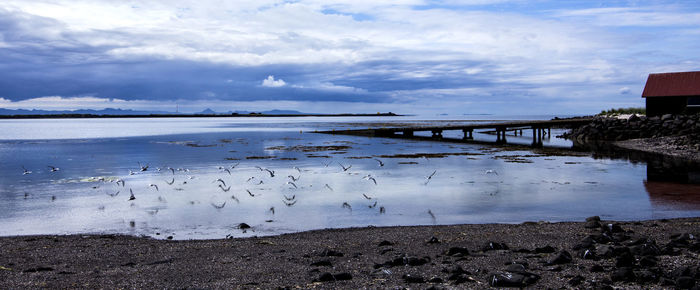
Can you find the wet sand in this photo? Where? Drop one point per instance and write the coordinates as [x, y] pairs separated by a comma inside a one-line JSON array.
[[646, 254]]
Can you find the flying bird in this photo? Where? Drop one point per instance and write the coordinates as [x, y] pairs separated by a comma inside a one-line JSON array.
[[235, 198], [373, 205], [345, 168], [132, 197], [367, 197], [431, 215], [143, 168], [429, 177], [272, 172], [491, 171], [347, 205], [53, 168], [217, 206], [290, 198], [382, 210], [289, 203], [298, 169], [170, 182], [292, 183], [172, 170], [293, 178], [369, 177], [153, 185], [380, 162], [250, 193], [272, 210], [113, 194], [26, 171], [122, 182], [225, 189], [229, 171], [329, 187], [220, 180], [234, 166]]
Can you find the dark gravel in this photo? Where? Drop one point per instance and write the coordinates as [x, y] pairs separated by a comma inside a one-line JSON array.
[[647, 254]]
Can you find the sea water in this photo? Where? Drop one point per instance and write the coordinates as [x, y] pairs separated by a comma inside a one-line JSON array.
[[195, 178]]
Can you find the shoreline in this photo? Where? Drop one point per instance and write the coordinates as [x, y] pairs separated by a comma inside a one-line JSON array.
[[661, 145], [648, 254]]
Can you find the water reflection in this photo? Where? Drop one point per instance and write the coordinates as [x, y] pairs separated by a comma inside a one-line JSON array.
[[673, 183]]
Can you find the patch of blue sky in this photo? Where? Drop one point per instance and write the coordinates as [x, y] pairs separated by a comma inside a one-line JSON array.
[[355, 16]]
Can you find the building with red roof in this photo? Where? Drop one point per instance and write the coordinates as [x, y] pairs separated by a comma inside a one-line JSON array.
[[672, 93]]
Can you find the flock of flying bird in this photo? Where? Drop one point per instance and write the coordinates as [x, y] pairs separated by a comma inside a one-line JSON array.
[[288, 200]]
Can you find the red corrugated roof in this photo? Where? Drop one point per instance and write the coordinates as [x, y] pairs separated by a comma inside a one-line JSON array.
[[672, 84]]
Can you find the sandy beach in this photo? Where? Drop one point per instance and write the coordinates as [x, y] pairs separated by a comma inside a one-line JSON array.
[[592, 254]]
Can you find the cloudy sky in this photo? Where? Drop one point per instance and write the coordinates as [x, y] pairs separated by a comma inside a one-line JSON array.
[[405, 56]]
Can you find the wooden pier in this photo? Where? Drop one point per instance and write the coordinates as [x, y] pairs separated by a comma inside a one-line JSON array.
[[540, 129]]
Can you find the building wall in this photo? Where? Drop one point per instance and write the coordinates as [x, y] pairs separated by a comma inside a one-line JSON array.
[[657, 106]]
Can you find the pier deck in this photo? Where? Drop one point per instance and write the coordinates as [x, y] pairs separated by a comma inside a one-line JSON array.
[[539, 129]]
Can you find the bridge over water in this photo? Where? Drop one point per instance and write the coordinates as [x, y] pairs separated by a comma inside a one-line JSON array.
[[539, 129]]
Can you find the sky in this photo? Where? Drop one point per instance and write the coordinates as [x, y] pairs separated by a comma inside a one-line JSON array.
[[345, 56]]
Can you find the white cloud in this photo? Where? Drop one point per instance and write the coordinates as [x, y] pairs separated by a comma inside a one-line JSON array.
[[625, 90], [271, 82]]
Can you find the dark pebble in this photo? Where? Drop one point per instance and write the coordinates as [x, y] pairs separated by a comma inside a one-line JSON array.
[[331, 253], [385, 243], [515, 268], [593, 219], [588, 254], [491, 246], [38, 269], [456, 270], [592, 225], [625, 260], [433, 240], [413, 261], [325, 277], [562, 258], [622, 274], [645, 276], [613, 228], [243, 226], [413, 278], [506, 279], [322, 263], [457, 250], [648, 261], [328, 277], [605, 251], [545, 250], [342, 276], [575, 281], [435, 280], [685, 282]]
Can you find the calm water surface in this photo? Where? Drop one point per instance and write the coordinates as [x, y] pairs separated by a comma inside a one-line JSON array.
[[470, 184]]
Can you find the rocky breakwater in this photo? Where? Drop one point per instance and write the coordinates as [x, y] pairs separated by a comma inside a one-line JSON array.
[[668, 134]]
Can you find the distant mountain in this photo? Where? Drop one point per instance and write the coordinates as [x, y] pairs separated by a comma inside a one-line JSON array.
[[112, 111], [107, 111], [207, 112]]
